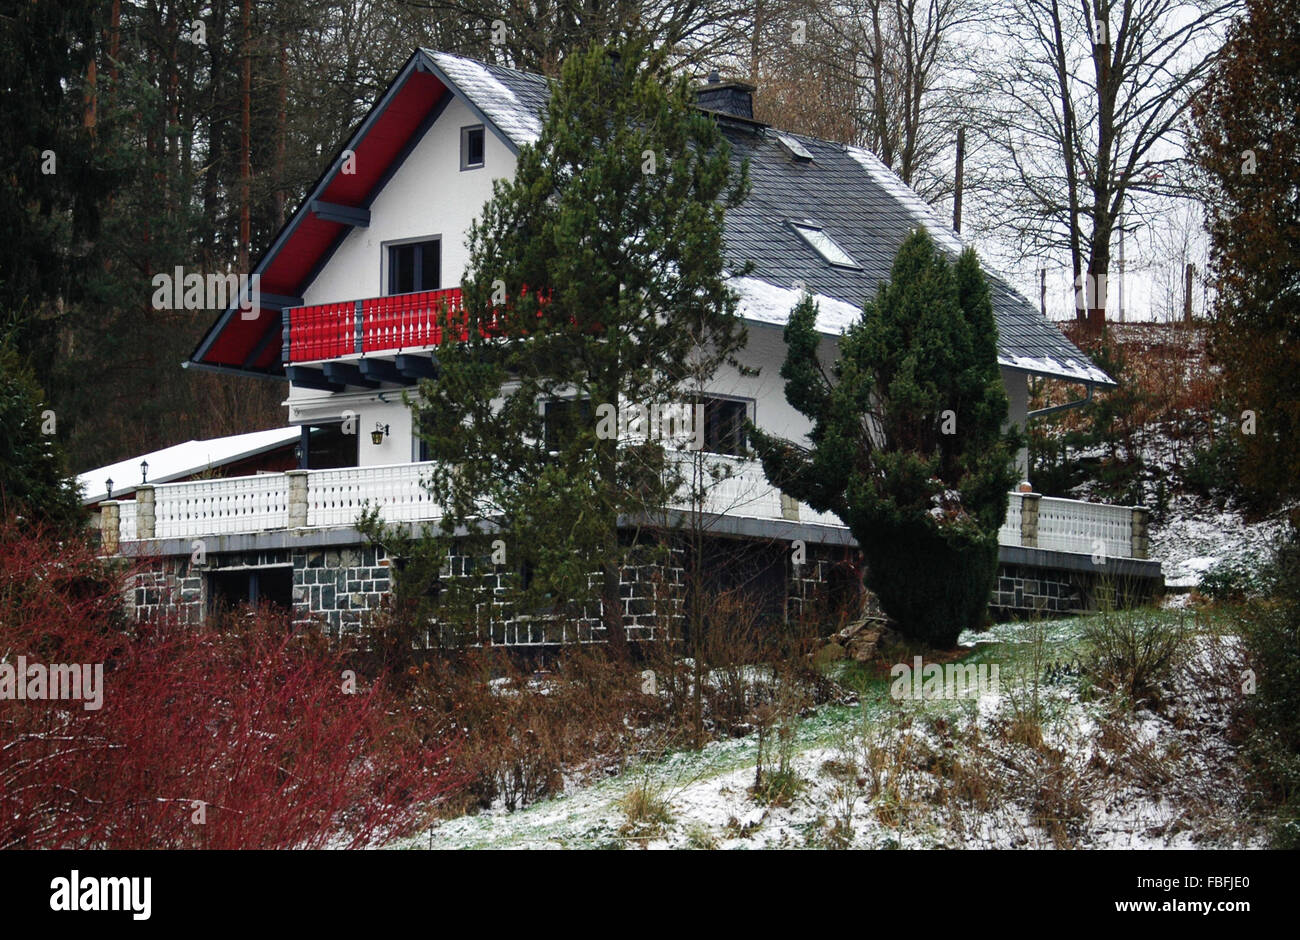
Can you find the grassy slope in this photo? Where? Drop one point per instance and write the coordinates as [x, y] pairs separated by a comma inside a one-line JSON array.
[[944, 773]]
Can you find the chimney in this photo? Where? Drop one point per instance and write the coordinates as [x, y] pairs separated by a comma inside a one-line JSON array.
[[730, 97]]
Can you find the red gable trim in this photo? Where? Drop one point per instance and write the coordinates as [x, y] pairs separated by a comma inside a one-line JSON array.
[[393, 125]]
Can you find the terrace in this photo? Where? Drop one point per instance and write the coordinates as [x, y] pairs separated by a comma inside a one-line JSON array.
[[304, 501]]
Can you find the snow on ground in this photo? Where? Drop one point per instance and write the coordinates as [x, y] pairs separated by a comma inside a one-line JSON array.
[[882, 774], [1193, 539]]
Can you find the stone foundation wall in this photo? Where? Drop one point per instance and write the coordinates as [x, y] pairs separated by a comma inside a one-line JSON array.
[[823, 584], [340, 587], [1021, 589], [166, 585]]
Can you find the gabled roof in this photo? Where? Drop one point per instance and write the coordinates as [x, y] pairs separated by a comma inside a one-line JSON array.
[[867, 210], [862, 205], [180, 461]]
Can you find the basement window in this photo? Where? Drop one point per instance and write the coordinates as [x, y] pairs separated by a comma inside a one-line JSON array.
[[471, 147], [823, 244]]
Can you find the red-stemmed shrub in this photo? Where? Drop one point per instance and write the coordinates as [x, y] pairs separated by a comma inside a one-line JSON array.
[[240, 734]]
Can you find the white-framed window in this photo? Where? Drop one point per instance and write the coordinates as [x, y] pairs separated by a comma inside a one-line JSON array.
[[724, 424]]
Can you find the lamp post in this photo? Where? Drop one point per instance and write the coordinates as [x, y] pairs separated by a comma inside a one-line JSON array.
[[144, 472]]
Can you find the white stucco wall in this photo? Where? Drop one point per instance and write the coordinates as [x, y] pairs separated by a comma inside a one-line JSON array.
[[429, 195]]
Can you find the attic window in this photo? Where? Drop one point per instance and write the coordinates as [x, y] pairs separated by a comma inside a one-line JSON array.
[[796, 150], [824, 245], [471, 147]]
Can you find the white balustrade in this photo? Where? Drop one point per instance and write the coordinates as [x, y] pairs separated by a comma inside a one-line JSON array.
[[338, 497], [1069, 525], [1009, 534], [126, 526], [221, 506]]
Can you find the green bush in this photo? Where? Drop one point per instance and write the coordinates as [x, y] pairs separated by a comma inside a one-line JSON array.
[[1271, 628], [1214, 471], [938, 589], [1236, 579]]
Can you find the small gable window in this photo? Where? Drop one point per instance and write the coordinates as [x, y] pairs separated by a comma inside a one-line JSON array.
[[414, 266], [824, 245], [471, 147]]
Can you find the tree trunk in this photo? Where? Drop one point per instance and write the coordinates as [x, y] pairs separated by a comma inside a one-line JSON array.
[[245, 139]]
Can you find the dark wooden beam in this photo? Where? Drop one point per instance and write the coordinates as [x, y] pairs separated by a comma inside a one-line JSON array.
[[346, 373], [344, 215], [273, 332], [416, 367], [311, 378], [277, 301], [381, 370]]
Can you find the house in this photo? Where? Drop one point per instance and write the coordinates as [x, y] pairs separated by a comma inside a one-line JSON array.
[[350, 315]]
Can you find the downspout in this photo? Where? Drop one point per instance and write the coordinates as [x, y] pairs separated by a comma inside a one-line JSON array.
[[1041, 412]]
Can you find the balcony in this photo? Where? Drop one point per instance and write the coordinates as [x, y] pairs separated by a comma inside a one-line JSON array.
[[318, 499], [393, 324], [364, 343]]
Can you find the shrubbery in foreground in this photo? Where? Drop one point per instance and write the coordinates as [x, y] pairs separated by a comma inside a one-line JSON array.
[[243, 736]]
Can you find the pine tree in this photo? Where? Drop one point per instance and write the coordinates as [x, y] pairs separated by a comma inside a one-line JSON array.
[[595, 275], [907, 445], [34, 486], [1247, 146]]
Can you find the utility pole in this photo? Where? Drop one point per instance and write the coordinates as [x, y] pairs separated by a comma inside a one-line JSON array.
[[1121, 268], [956, 193], [1042, 291]]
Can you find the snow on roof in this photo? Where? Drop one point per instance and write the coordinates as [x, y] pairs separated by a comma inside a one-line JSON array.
[[180, 460], [768, 303], [907, 197], [501, 105], [1059, 368]]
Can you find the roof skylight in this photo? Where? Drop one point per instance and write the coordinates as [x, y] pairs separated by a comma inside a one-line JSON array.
[[794, 148], [824, 245]]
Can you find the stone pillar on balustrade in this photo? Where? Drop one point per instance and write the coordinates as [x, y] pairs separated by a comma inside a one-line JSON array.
[[297, 498], [1140, 522], [1029, 503], [110, 521], [145, 517]]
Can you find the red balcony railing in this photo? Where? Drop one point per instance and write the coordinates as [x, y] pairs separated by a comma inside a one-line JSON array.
[[380, 324], [325, 331], [402, 321]]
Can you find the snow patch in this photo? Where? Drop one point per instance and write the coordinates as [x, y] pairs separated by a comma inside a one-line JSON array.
[[919, 208], [494, 99], [768, 303]]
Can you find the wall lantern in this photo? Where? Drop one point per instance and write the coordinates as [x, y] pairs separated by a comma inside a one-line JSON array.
[[144, 472], [378, 434], [108, 485]]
